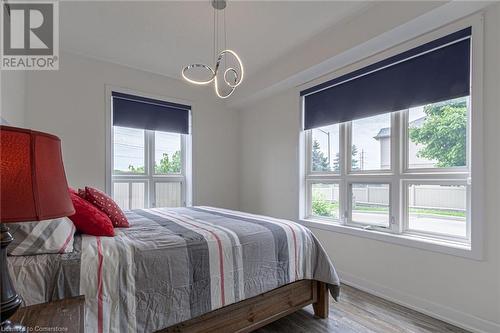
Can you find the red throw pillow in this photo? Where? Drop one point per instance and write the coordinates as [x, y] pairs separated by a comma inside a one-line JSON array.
[[81, 193], [102, 201], [88, 219]]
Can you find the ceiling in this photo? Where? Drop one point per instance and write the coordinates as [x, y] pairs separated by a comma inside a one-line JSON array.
[[164, 36]]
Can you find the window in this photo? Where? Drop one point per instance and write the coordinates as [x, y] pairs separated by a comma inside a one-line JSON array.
[[149, 164], [370, 204], [325, 149], [437, 135], [325, 200], [128, 145], [371, 143], [167, 153], [403, 172], [433, 181], [437, 209]]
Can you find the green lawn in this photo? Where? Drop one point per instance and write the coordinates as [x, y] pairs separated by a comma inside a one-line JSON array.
[[424, 211], [454, 213], [325, 208], [375, 209]]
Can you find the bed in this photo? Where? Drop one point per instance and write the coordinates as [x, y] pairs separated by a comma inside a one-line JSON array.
[[195, 269]]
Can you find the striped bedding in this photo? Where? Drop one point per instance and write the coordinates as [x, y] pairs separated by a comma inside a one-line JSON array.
[[49, 236], [172, 265]]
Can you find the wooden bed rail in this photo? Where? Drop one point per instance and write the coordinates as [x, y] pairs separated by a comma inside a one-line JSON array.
[[258, 311]]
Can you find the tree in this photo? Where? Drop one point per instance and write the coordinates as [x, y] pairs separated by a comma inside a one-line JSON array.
[[443, 133], [133, 169], [354, 160], [168, 165], [319, 160], [336, 163]]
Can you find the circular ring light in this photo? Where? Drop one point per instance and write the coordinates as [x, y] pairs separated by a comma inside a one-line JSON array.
[[240, 65], [231, 70], [216, 86], [200, 82], [232, 76]]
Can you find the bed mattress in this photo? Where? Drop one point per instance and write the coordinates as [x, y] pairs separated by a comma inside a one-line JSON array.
[[172, 265]]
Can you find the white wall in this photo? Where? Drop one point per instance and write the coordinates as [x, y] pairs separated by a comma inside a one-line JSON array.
[[70, 103], [463, 291], [13, 97]]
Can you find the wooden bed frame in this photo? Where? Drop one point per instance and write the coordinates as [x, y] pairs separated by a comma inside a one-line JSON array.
[[255, 312]]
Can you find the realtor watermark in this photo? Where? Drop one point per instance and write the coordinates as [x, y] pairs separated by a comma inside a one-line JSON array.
[[38, 328], [30, 35]]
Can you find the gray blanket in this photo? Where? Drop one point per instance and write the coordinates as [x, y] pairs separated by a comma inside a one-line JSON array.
[[172, 265]]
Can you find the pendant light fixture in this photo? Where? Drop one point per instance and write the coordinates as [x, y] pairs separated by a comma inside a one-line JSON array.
[[228, 72]]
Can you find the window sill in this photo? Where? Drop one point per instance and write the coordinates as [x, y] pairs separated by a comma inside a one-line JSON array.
[[419, 242]]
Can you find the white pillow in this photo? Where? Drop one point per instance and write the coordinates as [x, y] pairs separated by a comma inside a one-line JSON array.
[[49, 236]]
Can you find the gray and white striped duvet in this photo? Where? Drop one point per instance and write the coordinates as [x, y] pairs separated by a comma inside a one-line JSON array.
[[175, 264]]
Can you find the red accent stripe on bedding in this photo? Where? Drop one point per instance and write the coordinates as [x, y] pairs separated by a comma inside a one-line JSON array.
[[221, 259], [225, 212], [66, 242]]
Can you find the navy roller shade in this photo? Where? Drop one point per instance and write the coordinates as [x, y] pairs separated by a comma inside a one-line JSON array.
[[432, 72], [152, 114]]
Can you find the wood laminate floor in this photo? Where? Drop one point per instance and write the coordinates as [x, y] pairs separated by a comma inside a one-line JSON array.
[[360, 312]]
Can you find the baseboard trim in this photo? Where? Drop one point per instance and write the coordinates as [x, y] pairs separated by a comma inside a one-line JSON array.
[[438, 311]]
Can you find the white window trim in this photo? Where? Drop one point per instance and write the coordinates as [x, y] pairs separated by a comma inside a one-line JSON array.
[[149, 178], [475, 158]]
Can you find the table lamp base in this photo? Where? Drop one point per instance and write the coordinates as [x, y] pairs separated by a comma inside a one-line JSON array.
[[10, 301]]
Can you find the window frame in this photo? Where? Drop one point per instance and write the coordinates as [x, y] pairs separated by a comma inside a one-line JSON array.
[[309, 198], [349, 204], [150, 178], [127, 173], [333, 173], [397, 178], [153, 157], [400, 174], [406, 141], [348, 149]]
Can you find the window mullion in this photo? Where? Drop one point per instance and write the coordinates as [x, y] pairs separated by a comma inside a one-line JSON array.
[[183, 154], [307, 171], [395, 191], [183, 170], [308, 166], [150, 160], [343, 149], [347, 148]]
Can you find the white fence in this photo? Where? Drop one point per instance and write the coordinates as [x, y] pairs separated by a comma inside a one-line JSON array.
[[129, 195], [132, 194], [168, 194], [433, 196], [371, 195], [421, 196], [326, 193]]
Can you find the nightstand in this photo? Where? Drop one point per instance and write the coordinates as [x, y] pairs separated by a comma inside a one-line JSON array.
[[66, 315]]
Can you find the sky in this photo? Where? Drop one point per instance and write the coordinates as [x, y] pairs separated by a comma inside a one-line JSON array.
[[363, 133], [129, 146]]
